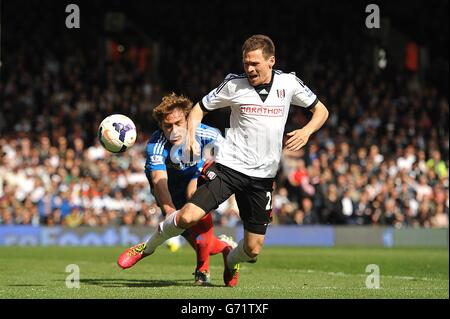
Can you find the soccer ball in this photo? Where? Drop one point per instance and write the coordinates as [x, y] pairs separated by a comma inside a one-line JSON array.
[[116, 133]]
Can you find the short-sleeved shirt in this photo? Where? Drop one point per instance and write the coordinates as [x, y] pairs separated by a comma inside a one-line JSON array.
[[253, 143], [163, 155]]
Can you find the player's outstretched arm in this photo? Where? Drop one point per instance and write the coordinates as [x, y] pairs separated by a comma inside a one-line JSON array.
[[300, 137], [161, 191], [194, 119]]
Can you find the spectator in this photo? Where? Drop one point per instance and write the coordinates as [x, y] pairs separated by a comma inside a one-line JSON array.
[[332, 212], [437, 164], [309, 215]]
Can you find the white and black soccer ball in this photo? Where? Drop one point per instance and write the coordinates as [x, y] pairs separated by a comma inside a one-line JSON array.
[[117, 133]]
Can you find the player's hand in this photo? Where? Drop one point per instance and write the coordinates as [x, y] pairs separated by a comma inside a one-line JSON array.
[[298, 139]]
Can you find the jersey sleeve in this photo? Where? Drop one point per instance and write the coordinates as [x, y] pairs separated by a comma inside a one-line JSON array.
[[156, 155], [303, 96], [207, 135], [219, 97]]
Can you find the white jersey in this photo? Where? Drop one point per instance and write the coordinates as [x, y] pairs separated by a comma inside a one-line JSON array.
[[253, 143]]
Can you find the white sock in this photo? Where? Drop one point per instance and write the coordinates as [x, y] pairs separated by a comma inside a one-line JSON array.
[[238, 255], [166, 230]]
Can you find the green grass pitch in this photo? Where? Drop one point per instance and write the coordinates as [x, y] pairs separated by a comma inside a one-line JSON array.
[[281, 272]]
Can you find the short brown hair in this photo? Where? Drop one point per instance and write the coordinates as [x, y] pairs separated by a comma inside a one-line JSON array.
[[169, 103], [259, 41]]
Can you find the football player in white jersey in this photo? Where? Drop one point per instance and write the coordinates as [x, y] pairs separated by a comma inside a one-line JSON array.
[[248, 159]]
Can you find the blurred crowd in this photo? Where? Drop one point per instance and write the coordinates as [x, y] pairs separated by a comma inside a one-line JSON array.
[[381, 159], [73, 185]]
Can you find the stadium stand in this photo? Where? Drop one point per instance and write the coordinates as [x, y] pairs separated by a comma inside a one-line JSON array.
[[381, 159]]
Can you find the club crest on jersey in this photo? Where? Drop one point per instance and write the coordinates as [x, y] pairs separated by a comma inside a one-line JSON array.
[[211, 175], [281, 93], [157, 159]]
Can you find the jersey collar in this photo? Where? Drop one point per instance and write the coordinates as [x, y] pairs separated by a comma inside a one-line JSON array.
[[263, 90]]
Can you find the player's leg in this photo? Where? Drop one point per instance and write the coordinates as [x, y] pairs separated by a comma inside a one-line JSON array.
[[179, 200], [218, 187], [171, 227], [222, 182], [255, 209], [207, 244], [206, 240], [207, 197], [200, 234], [174, 243], [174, 225], [247, 249]]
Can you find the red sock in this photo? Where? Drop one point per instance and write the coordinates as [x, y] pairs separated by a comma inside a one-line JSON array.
[[207, 244], [206, 228], [202, 253], [217, 246], [204, 225], [201, 232]]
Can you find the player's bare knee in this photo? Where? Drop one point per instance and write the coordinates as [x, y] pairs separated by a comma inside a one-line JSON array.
[[188, 216], [252, 249], [185, 220]]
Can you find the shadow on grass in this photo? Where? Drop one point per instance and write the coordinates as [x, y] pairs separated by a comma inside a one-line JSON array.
[[25, 285], [137, 283]]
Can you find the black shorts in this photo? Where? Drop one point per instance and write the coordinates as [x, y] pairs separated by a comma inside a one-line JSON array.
[[253, 195]]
